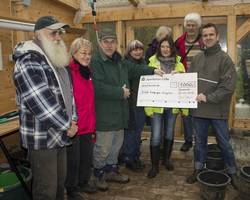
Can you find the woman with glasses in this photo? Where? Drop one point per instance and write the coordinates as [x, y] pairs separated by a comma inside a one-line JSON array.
[[166, 60], [80, 154]]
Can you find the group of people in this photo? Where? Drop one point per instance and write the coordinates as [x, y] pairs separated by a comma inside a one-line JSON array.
[[78, 113]]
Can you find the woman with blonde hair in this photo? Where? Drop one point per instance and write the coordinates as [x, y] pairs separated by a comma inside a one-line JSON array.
[[80, 153]]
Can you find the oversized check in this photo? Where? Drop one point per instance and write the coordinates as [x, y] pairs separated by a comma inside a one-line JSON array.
[[171, 90]]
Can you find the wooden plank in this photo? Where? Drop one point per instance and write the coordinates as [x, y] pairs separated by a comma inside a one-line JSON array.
[[130, 35], [162, 11], [120, 31], [243, 30], [9, 127], [242, 123], [70, 3], [231, 49], [177, 31], [173, 22]]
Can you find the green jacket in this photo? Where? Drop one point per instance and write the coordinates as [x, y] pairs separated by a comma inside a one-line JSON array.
[[179, 67], [109, 76]]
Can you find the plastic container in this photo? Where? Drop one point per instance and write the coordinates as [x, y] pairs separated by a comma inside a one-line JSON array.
[[10, 187], [214, 160], [213, 185], [243, 183]]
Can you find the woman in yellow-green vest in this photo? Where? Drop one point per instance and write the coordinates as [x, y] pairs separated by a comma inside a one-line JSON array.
[[167, 60]]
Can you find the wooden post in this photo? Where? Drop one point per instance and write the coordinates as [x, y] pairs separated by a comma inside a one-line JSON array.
[[130, 35], [177, 31], [120, 31], [21, 11], [231, 49]]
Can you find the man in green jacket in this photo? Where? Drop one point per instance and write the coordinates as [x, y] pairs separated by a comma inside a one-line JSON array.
[[216, 84], [111, 76]]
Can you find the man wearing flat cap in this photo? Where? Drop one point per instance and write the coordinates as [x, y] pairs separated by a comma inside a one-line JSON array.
[[111, 76], [44, 98]]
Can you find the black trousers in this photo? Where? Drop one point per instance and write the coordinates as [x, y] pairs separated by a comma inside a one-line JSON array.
[[79, 161], [48, 170]]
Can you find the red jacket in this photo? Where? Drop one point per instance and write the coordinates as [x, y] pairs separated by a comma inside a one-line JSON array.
[[83, 91], [181, 48]]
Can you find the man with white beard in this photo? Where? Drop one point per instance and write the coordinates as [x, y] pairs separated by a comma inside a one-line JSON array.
[[44, 98]]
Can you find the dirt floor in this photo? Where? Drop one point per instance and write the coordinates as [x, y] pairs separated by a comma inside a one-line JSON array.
[[166, 186]]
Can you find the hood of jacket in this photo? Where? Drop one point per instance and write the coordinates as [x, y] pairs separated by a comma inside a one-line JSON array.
[[24, 48]]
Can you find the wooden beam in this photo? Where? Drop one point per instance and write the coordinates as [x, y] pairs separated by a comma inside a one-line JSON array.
[[120, 32], [70, 3], [243, 30], [164, 11], [134, 2], [177, 31], [130, 35], [231, 49]]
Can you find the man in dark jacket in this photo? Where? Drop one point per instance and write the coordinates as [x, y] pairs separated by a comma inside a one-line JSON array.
[[188, 45], [111, 83], [45, 102], [216, 84]]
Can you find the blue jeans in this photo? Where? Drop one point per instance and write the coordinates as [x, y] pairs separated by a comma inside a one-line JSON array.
[[188, 128], [106, 148], [222, 136], [132, 138], [166, 119]]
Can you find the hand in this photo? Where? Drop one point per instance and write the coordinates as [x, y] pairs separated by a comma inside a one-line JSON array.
[[159, 72], [201, 98], [174, 72], [72, 130], [126, 92]]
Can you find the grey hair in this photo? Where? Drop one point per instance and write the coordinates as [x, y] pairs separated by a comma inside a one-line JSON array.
[[79, 43], [162, 32], [134, 44], [195, 17]]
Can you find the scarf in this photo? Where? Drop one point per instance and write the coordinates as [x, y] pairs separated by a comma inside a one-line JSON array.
[[167, 64]]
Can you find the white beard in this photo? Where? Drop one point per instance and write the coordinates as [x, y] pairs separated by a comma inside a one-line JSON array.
[[56, 52]]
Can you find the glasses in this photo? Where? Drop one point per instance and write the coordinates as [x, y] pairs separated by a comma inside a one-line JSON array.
[[60, 32]]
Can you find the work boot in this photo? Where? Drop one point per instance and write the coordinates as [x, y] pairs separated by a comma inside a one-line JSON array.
[[155, 158], [101, 183], [186, 146], [117, 177], [168, 150], [193, 178]]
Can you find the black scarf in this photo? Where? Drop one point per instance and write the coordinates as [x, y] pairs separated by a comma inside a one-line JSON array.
[[84, 70]]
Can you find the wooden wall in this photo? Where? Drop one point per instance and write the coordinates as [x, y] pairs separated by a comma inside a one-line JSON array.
[[9, 38]]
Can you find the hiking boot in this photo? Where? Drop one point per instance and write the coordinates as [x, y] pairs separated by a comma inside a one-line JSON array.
[[116, 177], [186, 146], [193, 178], [88, 188], [101, 183]]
